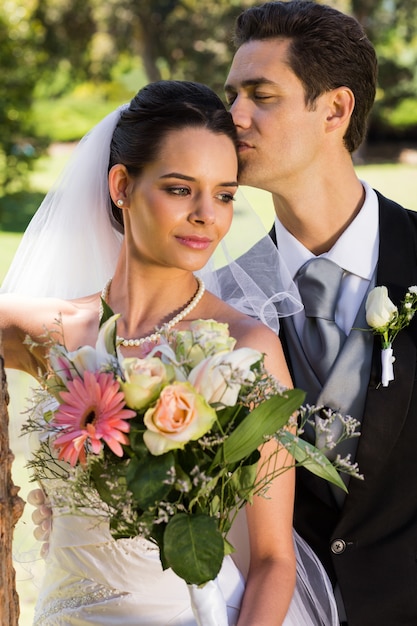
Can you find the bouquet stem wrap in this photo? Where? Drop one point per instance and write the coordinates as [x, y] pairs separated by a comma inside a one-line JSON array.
[[208, 604]]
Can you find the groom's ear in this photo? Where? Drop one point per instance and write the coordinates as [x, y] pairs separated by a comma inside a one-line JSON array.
[[119, 183], [341, 103]]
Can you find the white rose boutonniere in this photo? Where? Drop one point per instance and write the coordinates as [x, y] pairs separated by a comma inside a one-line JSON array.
[[386, 320]]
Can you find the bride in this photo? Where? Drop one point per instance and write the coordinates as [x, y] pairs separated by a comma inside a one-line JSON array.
[[145, 201]]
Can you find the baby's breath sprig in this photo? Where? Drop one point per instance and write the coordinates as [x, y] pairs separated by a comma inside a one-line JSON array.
[[330, 428]]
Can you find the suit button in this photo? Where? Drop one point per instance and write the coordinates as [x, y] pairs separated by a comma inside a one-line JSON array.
[[338, 546]]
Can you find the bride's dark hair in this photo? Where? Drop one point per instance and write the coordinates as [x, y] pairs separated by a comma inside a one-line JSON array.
[[158, 109]]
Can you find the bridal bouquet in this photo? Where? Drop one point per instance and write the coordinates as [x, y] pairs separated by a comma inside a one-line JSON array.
[[166, 446]]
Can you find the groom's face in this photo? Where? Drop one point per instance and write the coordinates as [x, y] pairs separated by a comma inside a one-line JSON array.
[[278, 134]]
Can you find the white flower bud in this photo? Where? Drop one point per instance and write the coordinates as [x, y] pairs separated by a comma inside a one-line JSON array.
[[380, 310]]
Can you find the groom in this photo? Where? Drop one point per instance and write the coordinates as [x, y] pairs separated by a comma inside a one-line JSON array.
[[301, 87]]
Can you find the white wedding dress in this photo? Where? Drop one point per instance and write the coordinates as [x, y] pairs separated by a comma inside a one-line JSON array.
[[93, 579]]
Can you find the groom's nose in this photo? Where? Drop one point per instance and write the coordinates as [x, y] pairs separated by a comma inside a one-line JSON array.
[[240, 110]]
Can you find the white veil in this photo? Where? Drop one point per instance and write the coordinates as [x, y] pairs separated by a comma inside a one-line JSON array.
[[71, 245]]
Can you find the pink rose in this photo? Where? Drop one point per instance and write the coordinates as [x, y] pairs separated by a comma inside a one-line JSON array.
[[179, 416]]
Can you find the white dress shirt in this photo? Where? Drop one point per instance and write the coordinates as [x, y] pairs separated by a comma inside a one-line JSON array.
[[356, 251]]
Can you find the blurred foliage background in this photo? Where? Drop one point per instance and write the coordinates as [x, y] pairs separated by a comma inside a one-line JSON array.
[[65, 63]]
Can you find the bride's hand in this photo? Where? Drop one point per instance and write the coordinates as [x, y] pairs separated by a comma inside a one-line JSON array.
[[42, 518]]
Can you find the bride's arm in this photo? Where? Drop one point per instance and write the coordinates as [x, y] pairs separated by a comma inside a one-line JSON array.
[[271, 578], [22, 317], [18, 319]]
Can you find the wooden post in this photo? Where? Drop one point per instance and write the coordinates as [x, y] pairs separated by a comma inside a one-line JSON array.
[[11, 509]]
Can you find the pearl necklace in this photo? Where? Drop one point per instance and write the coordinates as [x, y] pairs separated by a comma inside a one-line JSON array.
[[154, 337]]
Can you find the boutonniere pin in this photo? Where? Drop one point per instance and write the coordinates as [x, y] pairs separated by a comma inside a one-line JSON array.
[[386, 320]]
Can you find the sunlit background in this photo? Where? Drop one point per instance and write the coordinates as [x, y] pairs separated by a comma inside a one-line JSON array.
[[64, 64]]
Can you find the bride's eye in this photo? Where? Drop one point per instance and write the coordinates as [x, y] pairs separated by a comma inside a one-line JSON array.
[[226, 197], [179, 191]]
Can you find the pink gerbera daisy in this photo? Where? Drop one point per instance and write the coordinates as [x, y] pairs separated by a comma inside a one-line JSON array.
[[93, 411]]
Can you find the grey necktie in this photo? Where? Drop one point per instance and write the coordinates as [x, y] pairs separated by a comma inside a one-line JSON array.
[[318, 281]]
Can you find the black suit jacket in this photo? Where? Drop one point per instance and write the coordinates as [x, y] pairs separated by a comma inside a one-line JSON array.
[[374, 536]]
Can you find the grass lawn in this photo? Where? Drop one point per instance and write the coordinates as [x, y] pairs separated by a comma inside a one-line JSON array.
[[396, 181], [8, 245]]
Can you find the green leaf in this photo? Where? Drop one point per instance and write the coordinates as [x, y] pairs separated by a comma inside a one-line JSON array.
[[200, 496], [244, 478], [265, 420], [312, 459], [147, 478], [107, 312], [108, 479], [215, 504], [228, 548], [136, 440], [193, 547], [229, 414]]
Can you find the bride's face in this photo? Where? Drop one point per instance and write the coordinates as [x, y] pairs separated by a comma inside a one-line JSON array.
[[182, 204]]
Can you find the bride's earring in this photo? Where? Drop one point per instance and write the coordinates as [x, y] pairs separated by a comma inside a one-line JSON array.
[[120, 202]]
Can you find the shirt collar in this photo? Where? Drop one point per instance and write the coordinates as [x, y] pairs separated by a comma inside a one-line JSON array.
[[356, 250]]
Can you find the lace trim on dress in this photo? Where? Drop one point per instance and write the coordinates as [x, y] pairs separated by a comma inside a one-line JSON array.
[[79, 598]]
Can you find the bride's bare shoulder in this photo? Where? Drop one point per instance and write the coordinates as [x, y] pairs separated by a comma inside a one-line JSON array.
[[251, 333], [245, 329]]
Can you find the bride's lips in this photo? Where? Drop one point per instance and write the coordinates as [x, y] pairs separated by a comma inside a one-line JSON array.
[[197, 243]]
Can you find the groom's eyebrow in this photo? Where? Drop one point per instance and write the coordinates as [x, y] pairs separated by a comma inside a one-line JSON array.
[[250, 82]]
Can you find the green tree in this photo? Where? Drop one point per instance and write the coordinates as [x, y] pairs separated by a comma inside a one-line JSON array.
[[191, 39], [392, 27], [66, 29], [17, 81], [182, 39]]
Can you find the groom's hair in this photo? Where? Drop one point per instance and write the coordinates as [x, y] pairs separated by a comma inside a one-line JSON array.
[[328, 49]]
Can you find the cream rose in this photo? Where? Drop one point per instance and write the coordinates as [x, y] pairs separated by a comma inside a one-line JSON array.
[[179, 416], [144, 379], [219, 378], [380, 310], [205, 338]]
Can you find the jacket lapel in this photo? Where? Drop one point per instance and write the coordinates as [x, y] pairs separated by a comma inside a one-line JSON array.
[[386, 407]]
